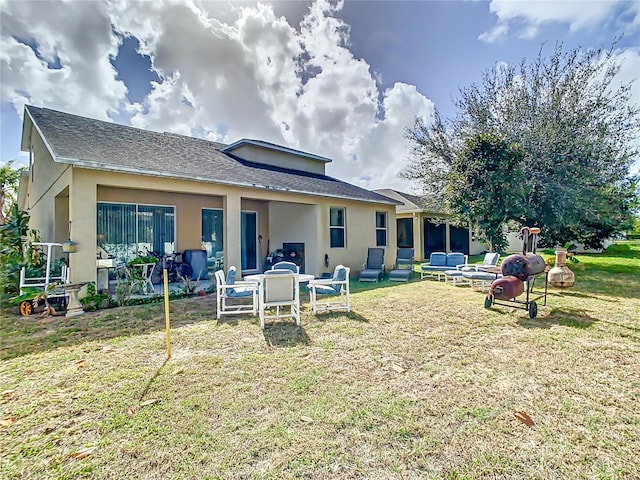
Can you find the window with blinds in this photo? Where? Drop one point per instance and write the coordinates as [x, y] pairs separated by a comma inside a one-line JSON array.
[[126, 229]]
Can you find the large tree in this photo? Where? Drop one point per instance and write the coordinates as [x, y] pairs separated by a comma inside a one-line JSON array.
[[573, 127]]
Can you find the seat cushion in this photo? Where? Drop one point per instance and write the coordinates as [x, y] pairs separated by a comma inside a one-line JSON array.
[[240, 292], [231, 280], [340, 274], [288, 266], [231, 276], [491, 258], [455, 258], [399, 275], [438, 259], [370, 275], [431, 268], [453, 273], [479, 275], [325, 290]]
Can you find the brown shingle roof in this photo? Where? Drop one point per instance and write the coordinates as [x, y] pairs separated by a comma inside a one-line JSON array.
[[110, 146]]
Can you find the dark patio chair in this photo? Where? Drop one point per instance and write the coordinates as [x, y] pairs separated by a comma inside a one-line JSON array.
[[404, 266], [373, 269]]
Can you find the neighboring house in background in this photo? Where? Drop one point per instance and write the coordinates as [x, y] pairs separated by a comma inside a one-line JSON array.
[[426, 230], [515, 244], [123, 189]]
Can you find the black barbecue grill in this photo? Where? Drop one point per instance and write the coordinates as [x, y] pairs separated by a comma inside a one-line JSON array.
[[520, 273]]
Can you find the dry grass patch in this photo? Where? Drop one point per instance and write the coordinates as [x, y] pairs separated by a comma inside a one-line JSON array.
[[419, 381]]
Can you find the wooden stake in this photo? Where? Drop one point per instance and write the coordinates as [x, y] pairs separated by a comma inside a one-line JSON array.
[[165, 277]]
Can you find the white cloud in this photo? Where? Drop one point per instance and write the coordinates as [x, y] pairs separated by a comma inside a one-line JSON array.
[[630, 66], [496, 33], [526, 17], [629, 59], [253, 76], [71, 70], [401, 104]]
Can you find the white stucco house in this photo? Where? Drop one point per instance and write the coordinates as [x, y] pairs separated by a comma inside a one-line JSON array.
[[122, 190]]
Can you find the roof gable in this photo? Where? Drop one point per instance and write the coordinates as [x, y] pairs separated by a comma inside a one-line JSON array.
[[266, 153], [272, 146]]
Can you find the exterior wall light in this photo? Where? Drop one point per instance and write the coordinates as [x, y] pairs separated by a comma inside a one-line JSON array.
[[69, 246]]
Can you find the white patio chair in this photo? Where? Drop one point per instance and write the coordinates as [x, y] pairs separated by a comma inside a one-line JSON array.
[[228, 289], [490, 260], [472, 273], [337, 285], [284, 265], [280, 290]]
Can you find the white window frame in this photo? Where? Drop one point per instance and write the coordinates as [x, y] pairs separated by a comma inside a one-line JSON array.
[[382, 229], [32, 163], [137, 204], [339, 227]]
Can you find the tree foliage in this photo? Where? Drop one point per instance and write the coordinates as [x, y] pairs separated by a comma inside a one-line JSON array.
[[12, 258], [17, 251], [635, 230], [486, 184], [574, 127], [9, 178]]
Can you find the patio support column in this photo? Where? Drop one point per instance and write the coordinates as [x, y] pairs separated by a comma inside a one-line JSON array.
[[418, 236], [232, 231], [82, 221], [447, 236], [316, 243]]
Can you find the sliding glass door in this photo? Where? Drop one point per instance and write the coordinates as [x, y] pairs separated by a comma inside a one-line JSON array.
[[213, 236], [124, 230], [249, 241]]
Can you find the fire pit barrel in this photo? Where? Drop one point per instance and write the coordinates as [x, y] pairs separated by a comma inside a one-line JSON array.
[[523, 266], [506, 288]]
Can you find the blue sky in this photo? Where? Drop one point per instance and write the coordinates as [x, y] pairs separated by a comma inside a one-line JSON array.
[[342, 80]]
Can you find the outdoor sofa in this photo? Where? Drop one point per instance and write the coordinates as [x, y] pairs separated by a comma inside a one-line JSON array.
[[440, 262]]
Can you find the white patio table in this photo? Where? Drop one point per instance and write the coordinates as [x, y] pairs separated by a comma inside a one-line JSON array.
[[147, 272]]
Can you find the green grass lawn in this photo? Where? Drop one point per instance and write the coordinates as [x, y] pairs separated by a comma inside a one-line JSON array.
[[418, 381]]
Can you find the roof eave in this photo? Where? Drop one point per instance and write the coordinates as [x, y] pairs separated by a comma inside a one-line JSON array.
[[27, 122], [22, 190], [138, 171]]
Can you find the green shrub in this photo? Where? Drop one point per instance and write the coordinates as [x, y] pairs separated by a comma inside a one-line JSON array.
[[621, 249], [95, 302], [16, 251], [91, 289], [142, 260]]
